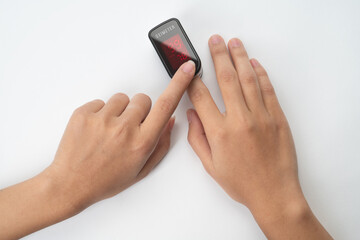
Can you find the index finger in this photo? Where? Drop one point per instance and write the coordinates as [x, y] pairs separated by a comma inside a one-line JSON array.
[[168, 100]]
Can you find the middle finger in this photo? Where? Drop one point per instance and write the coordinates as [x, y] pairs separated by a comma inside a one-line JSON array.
[[226, 75], [137, 109], [248, 80]]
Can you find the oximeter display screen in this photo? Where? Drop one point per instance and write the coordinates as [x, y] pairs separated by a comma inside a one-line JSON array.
[[175, 51], [173, 46]]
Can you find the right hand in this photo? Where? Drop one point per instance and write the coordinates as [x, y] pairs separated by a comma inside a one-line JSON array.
[[109, 147], [106, 148]]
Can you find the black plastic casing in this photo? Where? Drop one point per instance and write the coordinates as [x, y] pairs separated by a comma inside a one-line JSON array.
[[159, 34]]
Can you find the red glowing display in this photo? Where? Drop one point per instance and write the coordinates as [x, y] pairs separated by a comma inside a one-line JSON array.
[[175, 51]]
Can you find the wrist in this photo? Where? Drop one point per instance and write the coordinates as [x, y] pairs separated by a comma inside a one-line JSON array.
[[271, 213], [60, 194], [32, 205], [286, 201], [287, 218], [278, 218]]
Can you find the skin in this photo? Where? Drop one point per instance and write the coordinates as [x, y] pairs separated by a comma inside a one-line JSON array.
[[249, 149], [106, 148]]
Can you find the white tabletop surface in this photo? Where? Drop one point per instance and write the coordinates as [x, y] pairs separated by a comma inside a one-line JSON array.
[[57, 55]]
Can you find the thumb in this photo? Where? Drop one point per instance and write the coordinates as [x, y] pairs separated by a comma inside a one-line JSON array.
[[159, 152], [198, 140]]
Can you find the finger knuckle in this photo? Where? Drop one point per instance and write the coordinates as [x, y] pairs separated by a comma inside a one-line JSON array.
[[248, 78], [121, 97], [79, 118], [241, 53], [143, 102], [262, 73], [143, 97], [248, 126], [143, 147], [197, 94], [265, 123], [99, 102], [267, 89], [227, 76], [220, 134], [123, 128], [79, 112]]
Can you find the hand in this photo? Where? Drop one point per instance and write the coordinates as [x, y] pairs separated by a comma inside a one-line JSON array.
[[248, 149], [105, 149], [108, 147]]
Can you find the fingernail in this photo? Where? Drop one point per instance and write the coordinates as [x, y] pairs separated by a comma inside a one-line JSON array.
[[189, 115], [172, 123], [235, 43], [254, 62], [188, 67], [215, 39]]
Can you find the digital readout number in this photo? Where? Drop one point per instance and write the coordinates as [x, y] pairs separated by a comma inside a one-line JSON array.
[[175, 51]]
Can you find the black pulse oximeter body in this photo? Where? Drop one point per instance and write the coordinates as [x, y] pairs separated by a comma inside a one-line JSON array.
[[173, 46]]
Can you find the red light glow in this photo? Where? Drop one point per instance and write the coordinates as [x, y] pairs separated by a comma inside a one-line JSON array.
[[175, 51]]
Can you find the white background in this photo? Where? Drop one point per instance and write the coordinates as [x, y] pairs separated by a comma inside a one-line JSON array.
[[57, 55]]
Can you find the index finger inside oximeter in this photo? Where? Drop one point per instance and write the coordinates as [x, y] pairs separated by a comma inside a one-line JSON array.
[[173, 46]]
